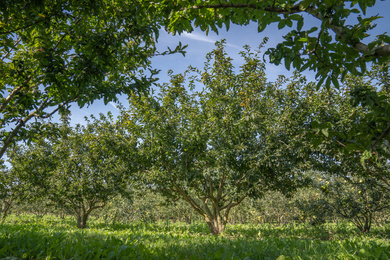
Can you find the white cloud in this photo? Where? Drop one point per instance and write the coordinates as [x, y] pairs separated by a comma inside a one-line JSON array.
[[113, 104], [198, 37], [204, 38]]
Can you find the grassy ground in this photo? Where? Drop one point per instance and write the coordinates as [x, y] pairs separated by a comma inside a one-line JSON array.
[[27, 237]]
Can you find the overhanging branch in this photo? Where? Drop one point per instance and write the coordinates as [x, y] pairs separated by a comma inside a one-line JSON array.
[[272, 9], [341, 33]]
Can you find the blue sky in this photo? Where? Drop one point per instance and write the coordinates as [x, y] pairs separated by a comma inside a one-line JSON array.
[[199, 44]]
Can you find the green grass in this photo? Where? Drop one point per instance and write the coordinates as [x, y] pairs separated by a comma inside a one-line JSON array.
[[27, 237]]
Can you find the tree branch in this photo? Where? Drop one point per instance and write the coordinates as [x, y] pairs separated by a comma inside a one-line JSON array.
[[59, 107], [383, 135], [187, 198], [380, 51], [16, 90], [341, 33], [22, 28], [63, 36], [6, 55], [21, 123], [220, 188], [272, 9]]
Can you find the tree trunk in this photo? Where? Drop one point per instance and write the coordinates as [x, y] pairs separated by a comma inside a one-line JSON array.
[[216, 225], [5, 209], [82, 221]]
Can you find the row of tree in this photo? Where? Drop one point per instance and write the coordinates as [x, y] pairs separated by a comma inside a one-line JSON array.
[[360, 203], [54, 54], [214, 137]]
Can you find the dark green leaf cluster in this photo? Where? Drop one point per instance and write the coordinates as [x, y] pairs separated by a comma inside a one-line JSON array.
[[55, 53], [331, 47]]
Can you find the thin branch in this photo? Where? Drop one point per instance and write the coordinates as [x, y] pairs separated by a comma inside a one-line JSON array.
[[341, 33], [63, 36], [381, 177], [59, 107], [6, 55], [14, 132], [382, 136], [10, 96], [315, 48], [211, 188], [187, 198], [272, 9], [24, 27], [21, 123], [220, 188], [380, 51], [231, 205]]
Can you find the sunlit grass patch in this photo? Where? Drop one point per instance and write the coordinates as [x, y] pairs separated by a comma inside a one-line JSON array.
[[26, 237]]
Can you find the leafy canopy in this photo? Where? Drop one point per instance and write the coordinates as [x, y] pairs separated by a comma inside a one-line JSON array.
[[55, 53], [339, 43], [213, 148], [78, 171]]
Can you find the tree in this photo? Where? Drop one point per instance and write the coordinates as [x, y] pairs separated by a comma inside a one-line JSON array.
[[233, 139], [352, 198], [348, 128], [338, 45], [355, 180], [6, 193], [357, 200], [80, 170], [333, 48], [55, 53], [16, 194]]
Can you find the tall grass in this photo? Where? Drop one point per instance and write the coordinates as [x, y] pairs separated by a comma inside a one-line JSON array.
[[27, 237]]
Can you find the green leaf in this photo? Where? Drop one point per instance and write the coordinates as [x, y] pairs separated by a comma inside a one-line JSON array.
[[287, 63], [316, 142], [335, 82], [282, 24], [319, 83], [325, 132], [295, 17], [327, 83], [300, 24], [305, 66]]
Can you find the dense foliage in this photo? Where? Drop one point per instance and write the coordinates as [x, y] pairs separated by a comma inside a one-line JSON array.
[[336, 45], [55, 53], [78, 171], [237, 137], [221, 142]]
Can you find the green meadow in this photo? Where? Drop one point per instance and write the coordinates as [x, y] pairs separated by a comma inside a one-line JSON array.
[[49, 237]]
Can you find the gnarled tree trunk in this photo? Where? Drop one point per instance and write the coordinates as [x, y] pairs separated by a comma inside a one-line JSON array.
[[210, 206], [217, 225], [82, 212]]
